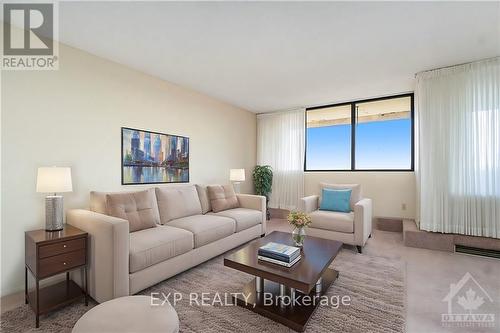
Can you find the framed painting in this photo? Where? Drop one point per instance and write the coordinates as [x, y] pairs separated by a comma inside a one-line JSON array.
[[153, 158]]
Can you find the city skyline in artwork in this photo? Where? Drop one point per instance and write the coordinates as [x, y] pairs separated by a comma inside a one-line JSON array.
[[151, 157]]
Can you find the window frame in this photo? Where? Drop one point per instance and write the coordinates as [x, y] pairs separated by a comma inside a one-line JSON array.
[[353, 134]]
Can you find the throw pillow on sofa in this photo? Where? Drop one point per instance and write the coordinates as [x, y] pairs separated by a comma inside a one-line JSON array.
[[222, 197], [98, 201], [336, 200], [205, 202], [355, 194], [175, 202], [135, 207]]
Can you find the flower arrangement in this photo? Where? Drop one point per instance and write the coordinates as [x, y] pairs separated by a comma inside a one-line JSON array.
[[300, 221]]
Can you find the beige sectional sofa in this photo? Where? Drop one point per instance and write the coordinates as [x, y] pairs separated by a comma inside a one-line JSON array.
[[188, 233]]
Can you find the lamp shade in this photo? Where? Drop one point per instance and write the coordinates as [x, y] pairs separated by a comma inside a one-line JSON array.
[[54, 180], [237, 175]]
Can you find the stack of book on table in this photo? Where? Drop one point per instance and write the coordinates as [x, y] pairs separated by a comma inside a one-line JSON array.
[[280, 254]]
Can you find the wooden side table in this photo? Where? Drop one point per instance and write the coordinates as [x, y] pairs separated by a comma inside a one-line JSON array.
[[50, 253]]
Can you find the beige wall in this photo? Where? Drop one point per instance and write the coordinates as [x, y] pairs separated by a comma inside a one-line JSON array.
[[72, 117], [388, 190]]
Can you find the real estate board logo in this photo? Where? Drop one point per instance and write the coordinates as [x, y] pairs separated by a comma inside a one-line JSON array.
[[469, 305], [28, 36]]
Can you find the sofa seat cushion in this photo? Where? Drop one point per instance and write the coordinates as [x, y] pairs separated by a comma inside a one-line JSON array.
[[152, 246], [245, 218], [333, 221], [206, 228]]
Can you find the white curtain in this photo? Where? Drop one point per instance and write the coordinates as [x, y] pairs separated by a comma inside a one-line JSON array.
[[458, 167], [280, 144]]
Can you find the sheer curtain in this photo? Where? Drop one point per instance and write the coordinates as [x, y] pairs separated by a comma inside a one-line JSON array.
[[458, 168], [280, 144]]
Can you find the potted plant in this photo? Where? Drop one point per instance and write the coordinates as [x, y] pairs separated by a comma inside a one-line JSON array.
[[263, 181], [300, 221]]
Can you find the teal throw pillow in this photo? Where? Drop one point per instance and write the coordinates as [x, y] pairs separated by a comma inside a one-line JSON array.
[[336, 200]]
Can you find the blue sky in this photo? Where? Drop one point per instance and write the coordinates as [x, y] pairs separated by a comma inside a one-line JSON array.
[[379, 145]]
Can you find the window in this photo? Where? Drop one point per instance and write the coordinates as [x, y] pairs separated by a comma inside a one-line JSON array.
[[384, 134], [329, 138], [368, 135]]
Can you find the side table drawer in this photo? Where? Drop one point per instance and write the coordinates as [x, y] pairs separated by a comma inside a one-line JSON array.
[[45, 251], [59, 263]]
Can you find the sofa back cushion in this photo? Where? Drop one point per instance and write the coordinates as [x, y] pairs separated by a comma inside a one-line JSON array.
[[177, 201], [355, 193], [135, 207], [222, 197], [204, 200], [98, 201]]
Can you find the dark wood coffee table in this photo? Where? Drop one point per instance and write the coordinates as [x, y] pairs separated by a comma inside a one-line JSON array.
[[308, 279]]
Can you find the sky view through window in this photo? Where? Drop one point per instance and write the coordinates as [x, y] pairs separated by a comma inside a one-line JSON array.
[[379, 145]]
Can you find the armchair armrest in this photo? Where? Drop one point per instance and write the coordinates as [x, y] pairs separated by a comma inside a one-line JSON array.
[[362, 221], [108, 254], [309, 204], [257, 202]]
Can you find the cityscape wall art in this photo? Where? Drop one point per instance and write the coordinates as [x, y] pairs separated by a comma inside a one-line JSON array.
[[152, 158]]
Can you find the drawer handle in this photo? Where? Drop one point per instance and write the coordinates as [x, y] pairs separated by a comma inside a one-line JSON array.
[[64, 263], [65, 246]]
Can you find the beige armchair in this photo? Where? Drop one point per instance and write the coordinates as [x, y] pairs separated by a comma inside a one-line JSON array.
[[352, 228]]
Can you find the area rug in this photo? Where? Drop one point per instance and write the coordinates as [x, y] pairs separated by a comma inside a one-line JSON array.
[[375, 285]]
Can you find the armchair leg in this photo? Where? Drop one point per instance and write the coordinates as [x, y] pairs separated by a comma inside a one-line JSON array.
[[360, 249]]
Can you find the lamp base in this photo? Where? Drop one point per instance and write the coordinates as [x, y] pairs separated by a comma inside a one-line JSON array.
[[54, 216], [236, 187]]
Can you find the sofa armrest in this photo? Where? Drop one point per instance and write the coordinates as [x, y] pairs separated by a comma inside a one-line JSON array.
[[257, 202], [108, 253], [309, 204], [362, 221]]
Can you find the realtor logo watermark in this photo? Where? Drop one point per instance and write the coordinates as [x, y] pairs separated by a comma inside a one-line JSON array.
[[228, 299], [469, 305], [29, 32]]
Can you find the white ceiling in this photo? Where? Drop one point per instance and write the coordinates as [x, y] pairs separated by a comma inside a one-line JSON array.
[[272, 56]]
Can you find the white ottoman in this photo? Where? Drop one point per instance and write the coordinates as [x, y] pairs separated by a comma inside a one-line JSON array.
[[129, 314]]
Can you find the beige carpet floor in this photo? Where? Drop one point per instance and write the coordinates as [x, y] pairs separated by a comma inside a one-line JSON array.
[[375, 285]]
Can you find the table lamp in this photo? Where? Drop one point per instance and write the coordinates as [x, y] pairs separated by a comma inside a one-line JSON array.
[[237, 176], [54, 180]]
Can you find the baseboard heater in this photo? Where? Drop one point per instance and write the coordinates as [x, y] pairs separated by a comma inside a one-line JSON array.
[[477, 251]]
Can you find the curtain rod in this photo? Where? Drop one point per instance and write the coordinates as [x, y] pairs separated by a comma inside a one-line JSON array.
[[456, 65]]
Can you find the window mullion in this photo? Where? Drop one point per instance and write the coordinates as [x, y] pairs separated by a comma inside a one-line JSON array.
[[353, 136]]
